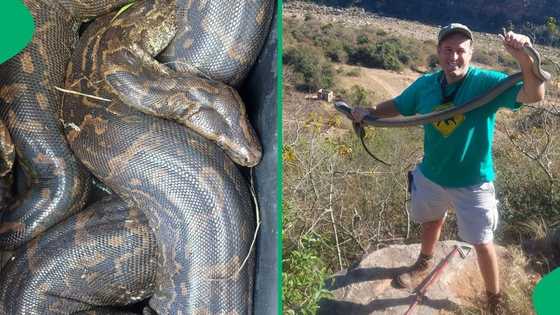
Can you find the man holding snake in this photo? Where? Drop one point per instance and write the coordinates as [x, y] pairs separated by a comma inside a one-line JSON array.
[[457, 170]]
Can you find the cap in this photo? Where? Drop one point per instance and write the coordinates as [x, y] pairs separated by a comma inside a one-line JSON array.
[[454, 28]]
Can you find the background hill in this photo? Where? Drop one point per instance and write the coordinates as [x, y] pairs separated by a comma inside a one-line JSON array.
[[532, 16]]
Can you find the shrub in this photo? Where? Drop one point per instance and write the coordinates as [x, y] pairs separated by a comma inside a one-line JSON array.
[[483, 57], [314, 70], [303, 280], [362, 39], [354, 72], [381, 33], [387, 54], [359, 96], [432, 61], [335, 51]]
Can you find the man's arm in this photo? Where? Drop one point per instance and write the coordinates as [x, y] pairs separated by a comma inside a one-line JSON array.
[[533, 88], [383, 109]]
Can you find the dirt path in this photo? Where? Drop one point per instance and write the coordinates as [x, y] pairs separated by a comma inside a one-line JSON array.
[[384, 84]]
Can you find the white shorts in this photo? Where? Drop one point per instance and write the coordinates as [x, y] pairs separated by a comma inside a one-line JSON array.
[[476, 207]]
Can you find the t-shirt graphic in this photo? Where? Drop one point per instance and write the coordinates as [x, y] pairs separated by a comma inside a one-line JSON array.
[[447, 126]]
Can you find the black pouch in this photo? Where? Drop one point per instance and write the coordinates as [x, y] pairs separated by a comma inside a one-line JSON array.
[[409, 181]]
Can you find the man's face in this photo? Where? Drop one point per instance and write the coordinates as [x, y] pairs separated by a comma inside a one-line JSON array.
[[454, 56]]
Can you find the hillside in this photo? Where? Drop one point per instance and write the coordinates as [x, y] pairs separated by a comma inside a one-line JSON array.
[[358, 18], [482, 15]]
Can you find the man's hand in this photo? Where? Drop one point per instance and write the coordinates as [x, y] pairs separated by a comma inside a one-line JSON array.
[[533, 88], [514, 43], [359, 113]]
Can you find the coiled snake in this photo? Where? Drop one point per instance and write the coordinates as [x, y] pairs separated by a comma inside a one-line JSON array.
[[29, 105], [195, 199]]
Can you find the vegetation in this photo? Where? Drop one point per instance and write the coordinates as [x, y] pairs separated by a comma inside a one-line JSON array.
[[356, 95], [311, 47], [312, 70], [303, 278], [547, 33]]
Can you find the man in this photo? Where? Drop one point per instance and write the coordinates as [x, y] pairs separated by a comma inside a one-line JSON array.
[[457, 171]]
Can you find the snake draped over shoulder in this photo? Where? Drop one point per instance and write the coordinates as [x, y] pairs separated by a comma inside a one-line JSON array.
[[195, 198], [29, 105]]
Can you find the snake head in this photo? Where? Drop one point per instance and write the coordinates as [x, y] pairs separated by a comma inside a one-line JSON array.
[[219, 115]]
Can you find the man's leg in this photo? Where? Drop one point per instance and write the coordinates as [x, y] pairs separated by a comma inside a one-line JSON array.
[[430, 235], [415, 273], [429, 207], [488, 264], [477, 218]]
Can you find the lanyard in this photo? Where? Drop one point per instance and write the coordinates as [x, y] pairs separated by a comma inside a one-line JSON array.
[[443, 84]]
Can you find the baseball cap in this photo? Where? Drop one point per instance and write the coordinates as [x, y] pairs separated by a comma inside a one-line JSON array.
[[454, 28]]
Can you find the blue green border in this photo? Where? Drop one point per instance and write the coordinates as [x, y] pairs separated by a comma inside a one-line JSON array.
[[279, 97]]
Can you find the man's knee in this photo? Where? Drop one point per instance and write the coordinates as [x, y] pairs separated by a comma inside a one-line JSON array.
[[436, 224], [484, 248]]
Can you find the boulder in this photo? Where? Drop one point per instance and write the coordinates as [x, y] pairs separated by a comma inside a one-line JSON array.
[[369, 288]]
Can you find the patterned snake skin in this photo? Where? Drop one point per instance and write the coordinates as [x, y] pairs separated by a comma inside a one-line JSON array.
[[229, 42], [194, 197], [29, 106], [7, 151], [51, 275]]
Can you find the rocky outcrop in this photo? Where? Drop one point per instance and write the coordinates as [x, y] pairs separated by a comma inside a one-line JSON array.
[[369, 288]]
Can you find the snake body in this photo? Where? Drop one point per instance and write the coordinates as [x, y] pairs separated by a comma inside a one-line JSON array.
[[220, 41], [93, 261], [194, 197], [29, 105], [483, 99]]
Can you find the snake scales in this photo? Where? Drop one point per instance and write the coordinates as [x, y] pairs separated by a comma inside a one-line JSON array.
[[194, 197], [108, 268]]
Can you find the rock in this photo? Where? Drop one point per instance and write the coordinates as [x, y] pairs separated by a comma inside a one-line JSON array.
[[369, 288]]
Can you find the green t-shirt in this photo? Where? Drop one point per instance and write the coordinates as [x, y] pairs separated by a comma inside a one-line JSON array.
[[458, 151]]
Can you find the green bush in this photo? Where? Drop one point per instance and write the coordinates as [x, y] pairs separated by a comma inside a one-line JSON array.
[[387, 54], [362, 39], [335, 51], [313, 70], [381, 33], [303, 279], [432, 61], [357, 96]]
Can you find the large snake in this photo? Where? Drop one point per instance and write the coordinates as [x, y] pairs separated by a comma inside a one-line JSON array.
[[29, 105], [226, 295], [473, 104], [195, 199]]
